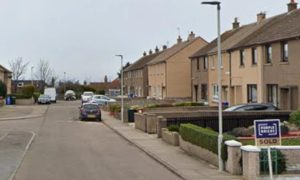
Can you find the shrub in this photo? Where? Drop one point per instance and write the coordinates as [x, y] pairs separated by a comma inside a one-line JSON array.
[[173, 128], [295, 118], [277, 159], [188, 104], [36, 96], [21, 96], [28, 91], [3, 89], [114, 108], [88, 88], [102, 92], [204, 138]]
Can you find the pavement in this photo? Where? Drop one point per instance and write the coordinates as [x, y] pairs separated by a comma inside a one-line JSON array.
[[21, 112], [172, 157]]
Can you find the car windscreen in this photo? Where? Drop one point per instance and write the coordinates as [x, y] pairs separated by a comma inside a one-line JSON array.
[[88, 94], [90, 106]]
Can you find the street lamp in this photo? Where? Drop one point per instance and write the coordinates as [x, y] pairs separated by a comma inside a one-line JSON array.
[[220, 136], [32, 75], [122, 96], [64, 82]]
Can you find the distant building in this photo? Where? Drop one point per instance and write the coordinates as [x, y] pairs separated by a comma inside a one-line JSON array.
[[5, 77], [110, 88], [39, 85]]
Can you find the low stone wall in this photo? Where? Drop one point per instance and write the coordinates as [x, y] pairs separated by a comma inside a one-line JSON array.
[[170, 137], [198, 151], [140, 122], [24, 101], [292, 155], [179, 109]]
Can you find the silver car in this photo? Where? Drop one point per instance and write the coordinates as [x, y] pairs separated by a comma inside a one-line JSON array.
[[44, 99]]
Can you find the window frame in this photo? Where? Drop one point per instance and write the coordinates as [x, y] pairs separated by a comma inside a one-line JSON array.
[[205, 63], [250, 95], [242, 57], [268, 53], [254, 55], [198, 64], [284, 52]]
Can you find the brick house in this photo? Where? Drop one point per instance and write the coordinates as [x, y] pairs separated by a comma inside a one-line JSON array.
[[5, 77]]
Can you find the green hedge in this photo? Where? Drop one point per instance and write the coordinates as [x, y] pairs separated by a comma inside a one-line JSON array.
[[21, 96], [188, 104], [295, 118], [173, 128], [204, 138]]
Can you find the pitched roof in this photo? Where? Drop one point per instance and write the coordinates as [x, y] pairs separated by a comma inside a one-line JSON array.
[[166, 54], [5, 70], [141, 62], [284, 26]]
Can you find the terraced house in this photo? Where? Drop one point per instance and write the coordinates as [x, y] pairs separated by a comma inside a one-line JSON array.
[[5, 76], [260, 62], [136, 75], [170, 72]]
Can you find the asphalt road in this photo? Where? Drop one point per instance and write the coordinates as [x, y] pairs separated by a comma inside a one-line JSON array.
[[66, 148]]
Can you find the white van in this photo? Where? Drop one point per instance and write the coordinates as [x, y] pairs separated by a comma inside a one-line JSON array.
[[52, 93]]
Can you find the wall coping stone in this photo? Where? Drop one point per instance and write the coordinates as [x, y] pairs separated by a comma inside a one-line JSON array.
[[250, 148], [233, 143]]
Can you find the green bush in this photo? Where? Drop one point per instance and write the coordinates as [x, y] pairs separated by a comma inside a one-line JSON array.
[[277, 159], [102, 92], [204, 138], [36, 95], [173, 128], [3, 89], [114, 108], [188, 104], [28, 90], [21, 96], [295, 118]]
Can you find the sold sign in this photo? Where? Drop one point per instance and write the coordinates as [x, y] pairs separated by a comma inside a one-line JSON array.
[[267, 132]]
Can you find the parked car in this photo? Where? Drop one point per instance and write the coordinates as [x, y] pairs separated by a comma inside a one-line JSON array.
[[44, 99], [252, 107], [90, 111], [51, 92], [70, 95], [102, 99], [86, 96]]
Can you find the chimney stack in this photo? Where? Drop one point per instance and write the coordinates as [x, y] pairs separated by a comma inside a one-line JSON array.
[[144, 54], [156, 49], [236, 23], [292, 5], [150, 52], [260, 17], [179, 40], [165, 47], [191, 36]]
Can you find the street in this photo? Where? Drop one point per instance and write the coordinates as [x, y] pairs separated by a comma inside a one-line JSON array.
[[66, 148]]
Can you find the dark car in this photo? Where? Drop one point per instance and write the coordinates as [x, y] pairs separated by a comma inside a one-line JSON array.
[[252, 107], [90, 111]]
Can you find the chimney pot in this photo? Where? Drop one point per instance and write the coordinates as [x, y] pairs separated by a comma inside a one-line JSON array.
[[191, 36], [261, 16], [165, 47], [156, 49], [144, 54], [236, 23], [150, 52], [179, 40], [292, 5]]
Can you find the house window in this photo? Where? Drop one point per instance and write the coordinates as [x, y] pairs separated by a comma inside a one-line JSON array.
[[252, 93], [285, 51], [272, 94], [204, 91], [205, 63], [254, 56], [198, 64], [196, 92], [215, 92], [268, 53], [242, 57]]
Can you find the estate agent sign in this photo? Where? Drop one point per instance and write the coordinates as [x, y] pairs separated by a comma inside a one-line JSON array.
[[267, 132]]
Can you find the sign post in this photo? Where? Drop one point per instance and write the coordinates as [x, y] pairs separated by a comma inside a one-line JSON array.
[[267, 134]]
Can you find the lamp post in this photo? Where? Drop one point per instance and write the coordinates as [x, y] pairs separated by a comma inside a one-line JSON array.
[[122, 96], [64, 82], [220, 136], [32, 75]]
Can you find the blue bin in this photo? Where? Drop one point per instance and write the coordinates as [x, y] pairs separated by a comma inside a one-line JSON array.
[[8, 100]]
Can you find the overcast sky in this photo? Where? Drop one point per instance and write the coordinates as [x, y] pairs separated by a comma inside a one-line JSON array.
[[81, 37]]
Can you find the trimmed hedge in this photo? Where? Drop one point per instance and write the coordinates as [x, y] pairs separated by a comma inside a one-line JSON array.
[[188, 104], [204, 138], [295, 118], [173, 128]]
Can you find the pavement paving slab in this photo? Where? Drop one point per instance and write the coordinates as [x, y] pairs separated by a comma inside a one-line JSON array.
[[13, 146], [175, 159]]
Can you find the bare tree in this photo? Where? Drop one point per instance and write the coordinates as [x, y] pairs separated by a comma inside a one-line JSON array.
[[43, 71], [18, 68]]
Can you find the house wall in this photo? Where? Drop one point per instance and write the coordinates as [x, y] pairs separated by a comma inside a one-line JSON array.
[[250, 73], [134, 82], [285, 74], [157, 80], [199, 76], [213, 77], [179, 71], [6, 78]]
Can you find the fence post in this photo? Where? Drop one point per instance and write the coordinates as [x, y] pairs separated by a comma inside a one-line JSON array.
[[251, 164], [233, 165]]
